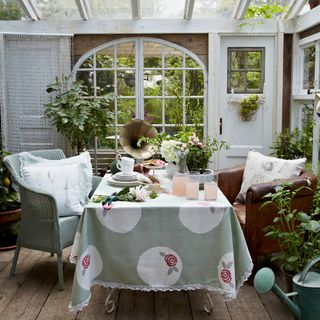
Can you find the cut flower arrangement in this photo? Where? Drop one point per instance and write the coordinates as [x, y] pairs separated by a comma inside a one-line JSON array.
[[199, 152]]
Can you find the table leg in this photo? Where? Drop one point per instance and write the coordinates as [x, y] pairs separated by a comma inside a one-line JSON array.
[[110, 303], [208, 309]]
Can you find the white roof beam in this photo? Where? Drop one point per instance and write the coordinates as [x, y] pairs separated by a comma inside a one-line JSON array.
[[30, 9], [294, 8], [188, 9], [136, 10], [84, 9], [241, 9]]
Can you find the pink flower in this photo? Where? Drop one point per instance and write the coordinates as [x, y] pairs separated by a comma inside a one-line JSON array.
[[170, 260], [226, 275]]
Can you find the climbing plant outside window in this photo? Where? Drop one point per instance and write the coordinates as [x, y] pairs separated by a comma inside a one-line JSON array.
[[152, 79]]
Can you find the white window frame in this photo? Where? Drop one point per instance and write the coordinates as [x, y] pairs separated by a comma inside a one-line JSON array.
[[139, 73]]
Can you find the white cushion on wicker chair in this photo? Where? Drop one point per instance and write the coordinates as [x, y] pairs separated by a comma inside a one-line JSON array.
[[28, 159], [62, 182]]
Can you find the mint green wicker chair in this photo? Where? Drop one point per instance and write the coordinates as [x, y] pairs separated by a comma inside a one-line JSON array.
[[41, 228]]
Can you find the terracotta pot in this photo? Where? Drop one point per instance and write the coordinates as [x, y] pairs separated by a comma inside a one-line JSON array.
[[287, 277], [9, 220]]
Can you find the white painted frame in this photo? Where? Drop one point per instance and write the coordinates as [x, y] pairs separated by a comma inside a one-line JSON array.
[[139, 71]]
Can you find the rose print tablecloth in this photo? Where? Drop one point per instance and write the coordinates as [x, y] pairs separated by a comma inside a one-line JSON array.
[[167, 243]]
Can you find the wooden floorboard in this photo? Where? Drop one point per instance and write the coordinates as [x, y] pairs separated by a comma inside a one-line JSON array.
[[33, 294]]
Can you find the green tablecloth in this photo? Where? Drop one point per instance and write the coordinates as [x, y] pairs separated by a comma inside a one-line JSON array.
[[167, 243]]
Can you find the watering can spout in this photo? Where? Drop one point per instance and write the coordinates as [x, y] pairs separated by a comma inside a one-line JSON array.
[[264, 281]]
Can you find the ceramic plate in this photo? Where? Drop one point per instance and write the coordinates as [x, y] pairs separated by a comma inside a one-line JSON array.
[[122, 184], [119, 176]]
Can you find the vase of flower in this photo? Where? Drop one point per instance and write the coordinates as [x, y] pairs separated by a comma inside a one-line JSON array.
[[181, 156], [171, 168]]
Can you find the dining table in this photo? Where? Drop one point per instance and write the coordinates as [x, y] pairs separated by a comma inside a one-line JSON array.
[[166, 243]]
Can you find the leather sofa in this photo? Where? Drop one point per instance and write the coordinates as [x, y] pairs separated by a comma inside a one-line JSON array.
[[252, 217]]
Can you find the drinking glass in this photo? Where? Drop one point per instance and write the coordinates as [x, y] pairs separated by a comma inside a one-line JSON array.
[[179, 184], [192, 185], [211, 188]]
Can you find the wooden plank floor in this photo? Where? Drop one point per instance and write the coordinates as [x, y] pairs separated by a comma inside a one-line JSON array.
[[33, 294]]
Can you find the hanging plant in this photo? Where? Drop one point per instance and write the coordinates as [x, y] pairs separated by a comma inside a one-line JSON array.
[[248, 107]]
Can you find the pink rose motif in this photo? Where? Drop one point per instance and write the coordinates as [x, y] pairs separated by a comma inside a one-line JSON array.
[[226, 275], [86, 262], [170, 260]]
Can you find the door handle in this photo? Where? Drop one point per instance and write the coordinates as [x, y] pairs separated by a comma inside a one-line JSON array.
[[220, 126]]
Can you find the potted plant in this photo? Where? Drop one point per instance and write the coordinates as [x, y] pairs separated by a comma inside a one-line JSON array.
[[76, 116], [199, 153], [298, 233], [10, 208], [248, 107]]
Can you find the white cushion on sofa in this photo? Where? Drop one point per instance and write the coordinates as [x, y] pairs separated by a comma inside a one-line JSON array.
[[62, 182], [28, 159], [260, 168]]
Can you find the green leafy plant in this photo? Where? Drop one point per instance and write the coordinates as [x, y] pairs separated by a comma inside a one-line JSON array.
[[297, 232], [76, 116], [248, 107], [199, 152], [9, 198], [294, 144]]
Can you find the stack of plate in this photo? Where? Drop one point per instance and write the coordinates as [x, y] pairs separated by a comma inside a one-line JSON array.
[[123, 180]]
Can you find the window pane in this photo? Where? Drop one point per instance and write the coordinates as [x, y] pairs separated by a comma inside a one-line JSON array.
[[104, 58], [105, 82], [162, 9], [110, 141], [87, 64], [214, 8], [254, 60], [153, 110], [173, 83], [238, 81], [126, 55], [238, 60], [254, 80], [87, 79], [58, 9], [309, 67], [191, 63], [194, 83], [111, 9], [173, 58], [126, 83], [194, 111], [11, 10], [152, 53], [127, 110], [152, 83], [173, 111]]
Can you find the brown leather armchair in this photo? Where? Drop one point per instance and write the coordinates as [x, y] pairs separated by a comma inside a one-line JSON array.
[[252, 217]]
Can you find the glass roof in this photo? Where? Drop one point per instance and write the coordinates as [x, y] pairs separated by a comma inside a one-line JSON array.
[[145, 9], [111, 9], [214, 8], [58, 9]]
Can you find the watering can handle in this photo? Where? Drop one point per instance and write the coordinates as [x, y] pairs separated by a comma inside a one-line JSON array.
[[307, 267]]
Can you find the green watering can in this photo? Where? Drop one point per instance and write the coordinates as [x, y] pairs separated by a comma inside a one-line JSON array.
[[306, 291]]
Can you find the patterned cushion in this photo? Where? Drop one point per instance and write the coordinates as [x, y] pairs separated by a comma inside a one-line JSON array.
[[62, 182], [260, 168]]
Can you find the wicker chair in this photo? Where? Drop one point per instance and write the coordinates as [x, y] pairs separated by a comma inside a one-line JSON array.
[[41, 227]]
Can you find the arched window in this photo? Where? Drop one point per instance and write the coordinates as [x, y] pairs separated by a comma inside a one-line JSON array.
[[152, 79]]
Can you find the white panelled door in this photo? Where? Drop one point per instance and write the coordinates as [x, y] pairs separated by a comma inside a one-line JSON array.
[[256, 134]]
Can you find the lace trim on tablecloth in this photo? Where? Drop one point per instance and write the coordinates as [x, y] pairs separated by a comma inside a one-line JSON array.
[[115, 285]]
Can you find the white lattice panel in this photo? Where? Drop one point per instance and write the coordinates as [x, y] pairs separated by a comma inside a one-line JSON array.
[[30, 64]]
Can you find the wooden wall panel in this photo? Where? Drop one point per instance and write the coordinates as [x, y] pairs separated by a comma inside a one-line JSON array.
[[197, 43]]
